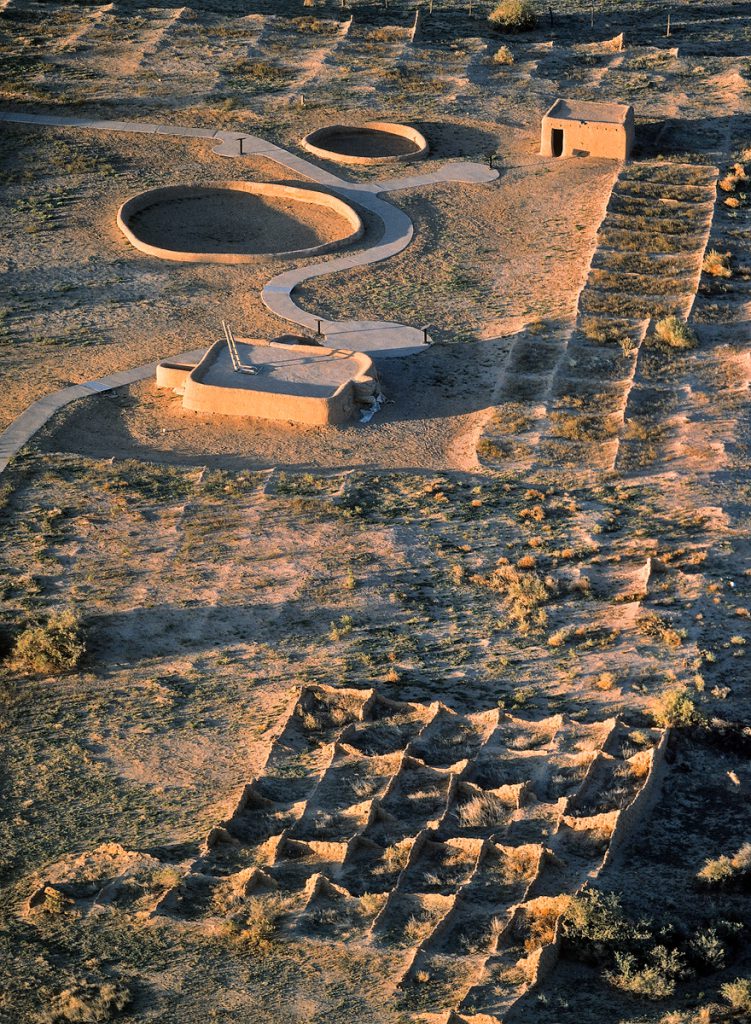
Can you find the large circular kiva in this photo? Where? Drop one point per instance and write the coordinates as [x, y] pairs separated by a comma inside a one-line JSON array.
[[237, 222], [375, 142]]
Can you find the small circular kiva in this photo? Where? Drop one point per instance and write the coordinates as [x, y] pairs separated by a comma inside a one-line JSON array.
[[237, 222], [376, 142]]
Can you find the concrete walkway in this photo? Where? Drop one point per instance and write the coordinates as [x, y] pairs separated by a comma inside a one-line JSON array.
[[23, 428], [379, 338]]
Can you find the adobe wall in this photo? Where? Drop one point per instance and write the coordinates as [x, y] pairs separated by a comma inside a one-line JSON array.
[[212, 399], [315, 142], [593, 138], [153, 196], [173, 375]]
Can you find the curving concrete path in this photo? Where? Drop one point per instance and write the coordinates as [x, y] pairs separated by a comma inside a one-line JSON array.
[[379, 338], [23, 427]]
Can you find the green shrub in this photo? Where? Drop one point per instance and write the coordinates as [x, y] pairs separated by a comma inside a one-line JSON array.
[[675, 333], [676, 709], [644, 957], [656, 979], [513, 16], [53, 646], [595, 923], [707, 950]]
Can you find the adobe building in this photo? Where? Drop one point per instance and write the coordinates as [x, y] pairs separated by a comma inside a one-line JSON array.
[[272, 380], [580, 128]]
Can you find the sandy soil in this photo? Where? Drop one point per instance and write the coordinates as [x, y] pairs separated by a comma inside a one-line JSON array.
[[437, 400], [599, 564]]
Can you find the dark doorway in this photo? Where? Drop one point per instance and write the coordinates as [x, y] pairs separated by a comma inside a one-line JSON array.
[[557, 141]]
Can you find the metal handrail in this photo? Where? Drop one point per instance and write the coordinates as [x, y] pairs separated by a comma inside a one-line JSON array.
[[237, 366]]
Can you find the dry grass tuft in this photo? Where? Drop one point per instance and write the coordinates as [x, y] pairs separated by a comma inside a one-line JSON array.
[[606, 681], [372, 902], [87, 1002], [541, 918], [503, 55], [521, 862], [674, 333], [482, 811], [733, 178], [717, 264], [654, 626], [53, 646], [396, 857]]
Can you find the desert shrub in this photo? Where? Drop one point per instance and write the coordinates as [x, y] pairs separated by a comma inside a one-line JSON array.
[[491, 451], [259, 928], [260, 73], [166, 877], [503, 55], [524, 593], [733, 178], [561, 636], [717, 264], [386, 33], [728, 183], [88, 1002], [674, 333], [738, 994], [317, 25], [513, 16], [416, 928], [578, 427], [716, 871], [341, 628], [644, 957], [707, 950], [653, 625], [56, 645], [676, 709], [637, 956], [655, 979], [606, 680], [595, 923], [510, 418], [719, 871]]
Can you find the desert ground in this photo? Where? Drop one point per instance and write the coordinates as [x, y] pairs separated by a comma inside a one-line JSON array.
[[440, 717]]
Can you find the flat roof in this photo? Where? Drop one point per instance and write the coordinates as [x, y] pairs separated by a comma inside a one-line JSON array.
[[303, 370], [584, 110]]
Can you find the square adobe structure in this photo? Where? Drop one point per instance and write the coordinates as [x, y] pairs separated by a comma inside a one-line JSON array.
[[578, 128]]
